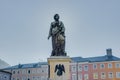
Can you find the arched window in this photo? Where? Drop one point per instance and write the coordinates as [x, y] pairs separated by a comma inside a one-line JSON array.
[[29, 71]]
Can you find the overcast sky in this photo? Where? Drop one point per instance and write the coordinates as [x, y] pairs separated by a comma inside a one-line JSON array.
[[92, 26]]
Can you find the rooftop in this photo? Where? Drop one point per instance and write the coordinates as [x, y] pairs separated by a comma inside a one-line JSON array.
[[29, 65], [107, 57], [95, 59], [5, 71]]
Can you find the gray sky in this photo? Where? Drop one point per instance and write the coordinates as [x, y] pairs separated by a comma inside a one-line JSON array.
[[92, 26]]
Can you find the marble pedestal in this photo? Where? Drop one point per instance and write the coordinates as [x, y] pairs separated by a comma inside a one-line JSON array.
[[56, 60]]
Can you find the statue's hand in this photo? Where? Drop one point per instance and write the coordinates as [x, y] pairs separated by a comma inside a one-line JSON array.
[[48, 37]]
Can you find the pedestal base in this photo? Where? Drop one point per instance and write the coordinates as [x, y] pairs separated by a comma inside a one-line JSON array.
[[59, 60]]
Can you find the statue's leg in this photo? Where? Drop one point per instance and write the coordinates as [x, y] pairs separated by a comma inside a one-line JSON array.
[[57, 47], [60, 48]]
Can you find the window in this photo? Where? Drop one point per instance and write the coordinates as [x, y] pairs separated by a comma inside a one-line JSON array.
[[80, 77], [45, 70], [86, 67], [42, 70], [74, 77], [39, 78], [5, 77], [94, 66], [13, 72], [18, 72], [117, 74], [73, 68], [95, 75], [103, 75], [42, 78], [24, 71], [33, 71], [24, 78], [85, 76], [29, 71], [110, 75], [80, 67], [13, 78], [102, 66], [117, 65], [109, 65]]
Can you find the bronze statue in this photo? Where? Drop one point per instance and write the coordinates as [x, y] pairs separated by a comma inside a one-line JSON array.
[[57, 32]]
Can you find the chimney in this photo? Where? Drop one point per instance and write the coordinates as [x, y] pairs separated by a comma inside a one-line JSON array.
[[109, 52]]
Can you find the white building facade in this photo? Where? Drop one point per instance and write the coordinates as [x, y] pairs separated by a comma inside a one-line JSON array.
[[35, 71]]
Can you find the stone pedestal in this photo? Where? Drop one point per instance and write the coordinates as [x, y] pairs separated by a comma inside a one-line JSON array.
[[56, 60]]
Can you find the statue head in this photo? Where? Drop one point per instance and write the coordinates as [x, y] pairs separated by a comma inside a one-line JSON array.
[[56, 17]]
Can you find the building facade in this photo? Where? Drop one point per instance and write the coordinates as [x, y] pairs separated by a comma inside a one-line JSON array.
[[96, 68], [34, 71], [5, 75]]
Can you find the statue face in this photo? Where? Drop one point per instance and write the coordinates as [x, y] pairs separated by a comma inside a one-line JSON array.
[[56, 17]]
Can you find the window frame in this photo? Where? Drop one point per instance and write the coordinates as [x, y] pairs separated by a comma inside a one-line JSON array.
[[102, 66], [85, 67], [117, 74], [86, 76], [103, 76], [94, 66], [73, 68], [79, 67], [110, 65], [109, 76], [95, 75], [117, 65]]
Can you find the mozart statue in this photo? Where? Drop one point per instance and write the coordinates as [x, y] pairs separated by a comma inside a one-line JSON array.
[[57, 32]]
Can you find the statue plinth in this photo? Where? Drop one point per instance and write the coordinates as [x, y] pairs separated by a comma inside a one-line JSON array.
[[59, 67]]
